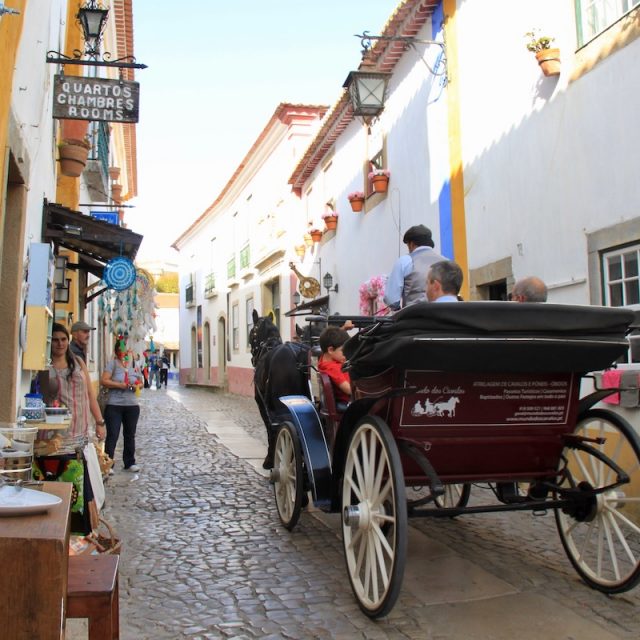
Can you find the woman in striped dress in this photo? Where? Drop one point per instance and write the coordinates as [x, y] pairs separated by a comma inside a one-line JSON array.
[[70, 385]]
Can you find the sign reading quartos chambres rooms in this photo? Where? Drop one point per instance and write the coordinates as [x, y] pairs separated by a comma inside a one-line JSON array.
[[78, 98]]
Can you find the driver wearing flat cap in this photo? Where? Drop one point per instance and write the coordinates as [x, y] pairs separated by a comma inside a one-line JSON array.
[[80, 332], [406, 284]]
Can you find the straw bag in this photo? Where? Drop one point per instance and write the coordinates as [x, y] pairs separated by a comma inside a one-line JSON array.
[[104, 539]]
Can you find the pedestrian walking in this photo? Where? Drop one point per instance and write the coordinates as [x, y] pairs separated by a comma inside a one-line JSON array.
[[122, 409], [164, 369]]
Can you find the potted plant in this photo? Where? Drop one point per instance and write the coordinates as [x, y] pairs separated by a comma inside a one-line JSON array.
[[548, 58], [300, 250], [316, 235], [356, 199], [379, 179], [73, 155], [330, 216], [116, 192]]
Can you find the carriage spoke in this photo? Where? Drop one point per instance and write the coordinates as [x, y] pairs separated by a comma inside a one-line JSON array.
[[382, 463], [585, 474], [358, 469], [621, 537], [385, 543], [612, 552], [388, 487], [634, 527], [614, 456], [377, 543], [373, 566], [354, 488]]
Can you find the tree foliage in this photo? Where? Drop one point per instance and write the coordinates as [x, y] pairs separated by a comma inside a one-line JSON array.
[[167, 283]]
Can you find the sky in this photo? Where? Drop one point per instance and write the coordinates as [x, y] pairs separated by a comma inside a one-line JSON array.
[[217, 70]]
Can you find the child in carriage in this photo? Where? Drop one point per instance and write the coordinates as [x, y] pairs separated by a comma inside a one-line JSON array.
[[330, 362]]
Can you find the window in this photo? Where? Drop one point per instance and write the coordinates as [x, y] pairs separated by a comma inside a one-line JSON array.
[[594, 16], [621, 282], [245, 257], [235, 323], [249, 318], [621, 276], [231, 268]]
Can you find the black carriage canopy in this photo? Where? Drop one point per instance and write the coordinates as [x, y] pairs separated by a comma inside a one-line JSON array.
[[492, 336]]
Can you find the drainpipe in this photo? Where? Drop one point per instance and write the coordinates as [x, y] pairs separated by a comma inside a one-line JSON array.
[[458, 220]]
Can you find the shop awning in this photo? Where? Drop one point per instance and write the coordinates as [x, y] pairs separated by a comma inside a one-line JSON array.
[[95, 241]]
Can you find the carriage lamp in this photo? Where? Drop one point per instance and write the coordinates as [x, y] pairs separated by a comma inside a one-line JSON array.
[[296, 298], [327, 281]]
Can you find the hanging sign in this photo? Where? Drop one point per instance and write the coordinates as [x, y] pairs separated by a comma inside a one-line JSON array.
[[79, 98], [106, 216], [119, 273]]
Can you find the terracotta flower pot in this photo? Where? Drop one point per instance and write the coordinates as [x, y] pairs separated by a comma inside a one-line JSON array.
[[331, 222], [357, 204], [300, 250], [114, 173], [116, 192], [380, 183], [316, 235], [549, 61], [73, 157]]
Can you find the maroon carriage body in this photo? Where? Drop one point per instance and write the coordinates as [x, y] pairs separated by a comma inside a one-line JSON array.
[[485, 391]]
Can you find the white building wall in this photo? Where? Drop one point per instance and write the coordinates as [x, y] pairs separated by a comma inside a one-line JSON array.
[[33, 129]]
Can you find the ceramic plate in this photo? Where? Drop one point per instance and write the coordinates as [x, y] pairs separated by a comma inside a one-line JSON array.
[[19, 502]]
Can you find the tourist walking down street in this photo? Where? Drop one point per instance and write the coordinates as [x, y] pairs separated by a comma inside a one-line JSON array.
[[122, 409]]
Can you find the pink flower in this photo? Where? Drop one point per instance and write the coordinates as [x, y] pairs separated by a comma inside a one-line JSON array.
[[379, 172], [372, 296], [356, 195]]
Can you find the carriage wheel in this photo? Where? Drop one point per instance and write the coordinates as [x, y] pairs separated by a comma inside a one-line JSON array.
[[602, 536], [374, 517], [287, 475], [454, 496]]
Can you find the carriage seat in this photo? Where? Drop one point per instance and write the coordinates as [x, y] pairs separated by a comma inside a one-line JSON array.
[[328, 406]]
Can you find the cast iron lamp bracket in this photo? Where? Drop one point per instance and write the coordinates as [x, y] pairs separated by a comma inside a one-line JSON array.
[[92, 19]]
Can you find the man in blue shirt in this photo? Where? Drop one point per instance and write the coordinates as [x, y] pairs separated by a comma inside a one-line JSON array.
[[406, 284], [444, 281]]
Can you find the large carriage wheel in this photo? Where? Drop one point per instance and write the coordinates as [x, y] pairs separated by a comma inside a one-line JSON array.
[[287, 475], [454, 496], [374, 517], [602, 536]]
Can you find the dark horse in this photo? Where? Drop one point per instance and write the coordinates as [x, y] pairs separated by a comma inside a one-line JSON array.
[[280, 369]]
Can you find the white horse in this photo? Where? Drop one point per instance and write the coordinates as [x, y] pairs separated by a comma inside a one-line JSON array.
[[449, 406]]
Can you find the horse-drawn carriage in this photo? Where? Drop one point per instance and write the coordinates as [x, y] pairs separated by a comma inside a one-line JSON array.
[[450, 395]]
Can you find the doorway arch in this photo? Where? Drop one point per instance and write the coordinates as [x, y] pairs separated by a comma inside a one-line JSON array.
[[193, 372], [222, 352], [207, 351]]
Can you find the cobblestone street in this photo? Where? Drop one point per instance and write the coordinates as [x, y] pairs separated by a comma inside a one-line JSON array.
[[204, 554]]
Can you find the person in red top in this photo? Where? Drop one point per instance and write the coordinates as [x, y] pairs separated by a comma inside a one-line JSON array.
[[330, 362]]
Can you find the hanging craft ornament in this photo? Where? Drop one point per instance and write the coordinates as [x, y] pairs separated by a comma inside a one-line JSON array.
[[119, 273]]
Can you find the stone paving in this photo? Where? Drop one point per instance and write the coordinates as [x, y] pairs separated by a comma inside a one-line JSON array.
[[205, 556]]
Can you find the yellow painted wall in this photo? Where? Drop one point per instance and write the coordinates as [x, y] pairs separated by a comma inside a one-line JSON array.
[[10, 32], [456, 169]]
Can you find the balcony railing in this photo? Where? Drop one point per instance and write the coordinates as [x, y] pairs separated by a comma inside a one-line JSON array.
[[210, 286], [231, 268]]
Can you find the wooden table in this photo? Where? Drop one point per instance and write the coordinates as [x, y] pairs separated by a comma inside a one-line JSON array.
[[34, 553]]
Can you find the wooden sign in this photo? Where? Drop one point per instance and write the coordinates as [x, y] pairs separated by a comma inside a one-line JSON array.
[[79, 98]]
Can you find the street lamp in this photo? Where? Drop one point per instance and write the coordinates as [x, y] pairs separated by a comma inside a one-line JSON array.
[[368, 87], [367, 90], [296, 298], [93, 20], [327, 281]]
